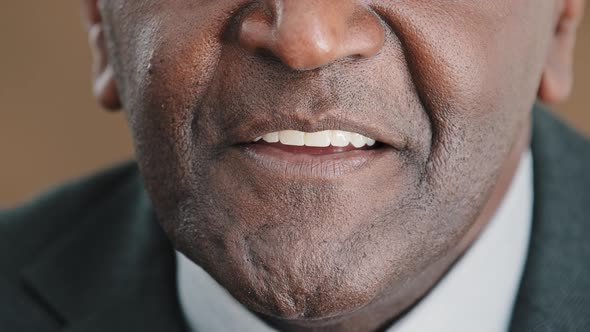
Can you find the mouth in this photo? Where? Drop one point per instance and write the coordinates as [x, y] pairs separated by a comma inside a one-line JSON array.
[[322, 142], [322, 154]]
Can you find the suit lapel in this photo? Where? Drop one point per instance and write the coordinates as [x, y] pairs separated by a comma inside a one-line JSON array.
[[554, 293], [113, 272]]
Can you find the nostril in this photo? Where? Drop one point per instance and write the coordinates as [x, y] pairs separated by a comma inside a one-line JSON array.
[[267, 56], [256, 32]]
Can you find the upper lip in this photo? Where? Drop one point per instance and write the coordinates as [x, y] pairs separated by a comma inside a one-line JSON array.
[[254, 127]]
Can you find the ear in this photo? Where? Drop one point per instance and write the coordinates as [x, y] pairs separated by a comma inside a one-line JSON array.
[[104, 85], [558, 76]]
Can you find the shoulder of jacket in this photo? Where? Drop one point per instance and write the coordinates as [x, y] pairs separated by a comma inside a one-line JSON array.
[[555, 139], [28, 229]]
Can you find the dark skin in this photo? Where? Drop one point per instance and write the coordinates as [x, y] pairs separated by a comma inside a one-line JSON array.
[[446, 87]]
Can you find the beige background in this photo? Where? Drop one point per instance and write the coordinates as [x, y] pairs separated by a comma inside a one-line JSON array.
[[50, 127]]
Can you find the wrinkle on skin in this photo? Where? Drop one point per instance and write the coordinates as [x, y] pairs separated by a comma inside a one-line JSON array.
[[451, 82]]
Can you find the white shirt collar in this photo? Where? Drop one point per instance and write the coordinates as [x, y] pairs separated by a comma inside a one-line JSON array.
[[477, 294]]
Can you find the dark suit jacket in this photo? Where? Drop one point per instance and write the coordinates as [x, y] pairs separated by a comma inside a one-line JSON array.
[[89, 257]]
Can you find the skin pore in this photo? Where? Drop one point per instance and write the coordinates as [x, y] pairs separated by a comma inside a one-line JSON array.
[[350, 241]]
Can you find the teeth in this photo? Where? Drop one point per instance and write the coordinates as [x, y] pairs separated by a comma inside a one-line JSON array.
[[340, 138], [319, 139], [324, 138], [292, 137], [271, 138], [358, 140]]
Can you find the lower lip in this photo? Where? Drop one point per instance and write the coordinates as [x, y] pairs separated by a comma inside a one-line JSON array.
[[316, 163]]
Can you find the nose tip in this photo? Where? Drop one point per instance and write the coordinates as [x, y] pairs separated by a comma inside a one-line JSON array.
[[308, 34]]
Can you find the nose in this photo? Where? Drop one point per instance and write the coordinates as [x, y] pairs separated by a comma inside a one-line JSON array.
[[308, 34]]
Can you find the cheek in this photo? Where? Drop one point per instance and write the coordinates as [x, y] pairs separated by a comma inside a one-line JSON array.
[[476, 66], [472, 53], [164, 54]]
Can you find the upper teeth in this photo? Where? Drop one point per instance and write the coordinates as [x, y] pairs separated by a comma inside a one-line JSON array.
[[318, 139]]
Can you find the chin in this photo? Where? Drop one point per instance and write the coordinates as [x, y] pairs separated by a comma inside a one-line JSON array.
[[299, 286], [306, 275]]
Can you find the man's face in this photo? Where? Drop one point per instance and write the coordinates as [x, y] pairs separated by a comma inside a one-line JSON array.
[[445, 88]]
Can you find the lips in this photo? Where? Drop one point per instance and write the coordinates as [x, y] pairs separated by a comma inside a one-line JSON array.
[[306, 145], [321, 154]]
